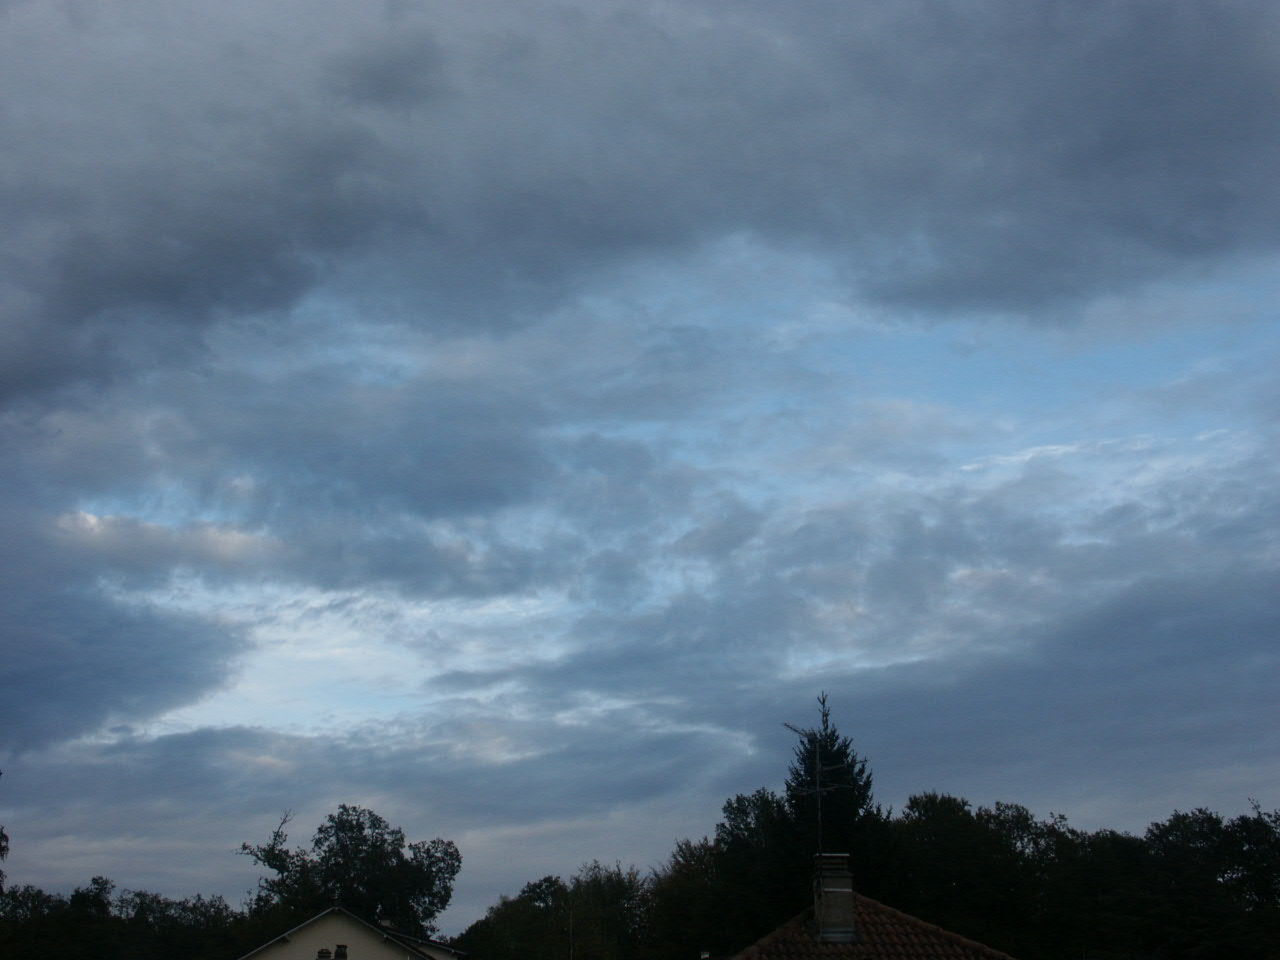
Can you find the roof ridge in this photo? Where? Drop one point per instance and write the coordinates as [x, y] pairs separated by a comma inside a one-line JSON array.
[[934, 928], [385, 932], [792, 940], [773, 934]]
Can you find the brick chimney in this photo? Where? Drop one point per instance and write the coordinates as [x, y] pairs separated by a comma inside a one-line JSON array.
[[833, 898]]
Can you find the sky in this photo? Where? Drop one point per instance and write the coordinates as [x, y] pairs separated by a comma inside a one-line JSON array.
[[508, 415]]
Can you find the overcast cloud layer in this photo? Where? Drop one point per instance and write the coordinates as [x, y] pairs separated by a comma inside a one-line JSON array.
[[506, 414]]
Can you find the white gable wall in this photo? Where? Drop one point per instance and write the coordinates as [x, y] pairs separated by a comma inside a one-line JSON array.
[[328, 930]]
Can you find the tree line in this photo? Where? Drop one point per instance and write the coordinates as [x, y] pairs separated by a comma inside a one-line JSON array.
[[356, 858], [1196, 885]]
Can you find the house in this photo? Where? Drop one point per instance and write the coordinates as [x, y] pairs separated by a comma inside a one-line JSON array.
[[844, 925], [338, 934]]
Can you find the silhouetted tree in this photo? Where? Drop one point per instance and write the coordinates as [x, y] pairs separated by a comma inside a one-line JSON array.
[[4, 846], [967, 870], [1196, 886], [1216, 883], [607, 911], [829, 793], [828, 788], [720, 894], [95, 923], [761, 861], [365, 863], [532, 925], [600, 914], [687, 904]]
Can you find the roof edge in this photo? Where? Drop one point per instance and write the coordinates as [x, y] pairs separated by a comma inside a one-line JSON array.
[[399, 938], [861, 900]]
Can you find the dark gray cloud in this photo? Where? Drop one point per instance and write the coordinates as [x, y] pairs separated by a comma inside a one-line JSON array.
[[394, 71], [76, 655], [1000, 157], [1116, 712], [75, 659], [1106, 717], [233, 785]]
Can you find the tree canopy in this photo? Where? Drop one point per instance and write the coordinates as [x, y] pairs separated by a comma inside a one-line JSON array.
[[828, 786], [4, 847], [599, 914], [755, 872], [361, 861], [96, 923]]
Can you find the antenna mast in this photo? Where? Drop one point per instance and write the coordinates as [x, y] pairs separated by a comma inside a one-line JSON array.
[[816, 737]]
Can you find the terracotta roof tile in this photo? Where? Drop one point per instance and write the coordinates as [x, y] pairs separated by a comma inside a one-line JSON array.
[[882, 934]]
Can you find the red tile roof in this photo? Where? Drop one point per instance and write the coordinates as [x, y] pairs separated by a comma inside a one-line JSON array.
[[882, 933]]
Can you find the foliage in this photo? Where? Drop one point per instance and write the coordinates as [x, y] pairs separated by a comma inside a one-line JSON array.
[[534, 925], [1194, 886], [688, 901], [828, 788], [973, 871], [762, 862], [599, 914], [718, 895], [608, 907], [95, 922], [361, 861], [4, 846]]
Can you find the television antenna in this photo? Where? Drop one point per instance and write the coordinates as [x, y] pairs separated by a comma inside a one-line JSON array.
[[819, 788]]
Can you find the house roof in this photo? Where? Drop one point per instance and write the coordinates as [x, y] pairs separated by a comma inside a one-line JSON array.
[[418, 947], [882, 933], [427, 948]]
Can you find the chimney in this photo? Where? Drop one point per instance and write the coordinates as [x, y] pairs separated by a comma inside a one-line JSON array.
[[340, 953], [324, 953], [833, 898]]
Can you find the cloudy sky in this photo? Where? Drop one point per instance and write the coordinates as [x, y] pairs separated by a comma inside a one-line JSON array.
[[506, 415]]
